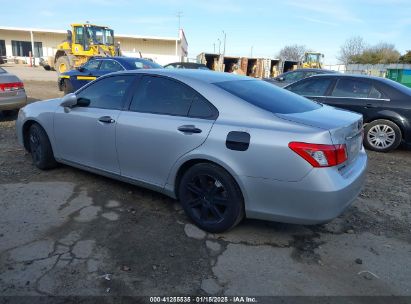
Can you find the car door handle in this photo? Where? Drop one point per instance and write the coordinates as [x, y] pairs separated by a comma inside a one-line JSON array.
[[189, 129], [370, 105], [106, 119]]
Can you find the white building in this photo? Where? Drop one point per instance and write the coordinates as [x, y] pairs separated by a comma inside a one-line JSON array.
[[16, 43]]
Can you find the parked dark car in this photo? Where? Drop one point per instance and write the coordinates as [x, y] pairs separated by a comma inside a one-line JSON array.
[[186, 65], [385, 105], [293, 76], [73, 80]]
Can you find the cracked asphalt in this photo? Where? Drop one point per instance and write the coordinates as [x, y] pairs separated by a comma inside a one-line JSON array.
[[69, 232]]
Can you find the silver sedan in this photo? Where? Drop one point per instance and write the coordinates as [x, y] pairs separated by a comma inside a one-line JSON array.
[[12, 93], [226, 146]]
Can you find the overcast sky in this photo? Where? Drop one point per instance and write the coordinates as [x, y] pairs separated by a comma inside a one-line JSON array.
[[267, 26]]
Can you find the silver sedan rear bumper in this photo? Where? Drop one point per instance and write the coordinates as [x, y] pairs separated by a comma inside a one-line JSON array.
[[319, 197], [13, 102]]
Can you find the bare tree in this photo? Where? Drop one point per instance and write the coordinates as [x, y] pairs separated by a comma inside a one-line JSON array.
[[292, 52], [352, 47]]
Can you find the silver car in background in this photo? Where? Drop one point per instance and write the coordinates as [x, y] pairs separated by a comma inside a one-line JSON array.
[[226, 146], [12, 93]]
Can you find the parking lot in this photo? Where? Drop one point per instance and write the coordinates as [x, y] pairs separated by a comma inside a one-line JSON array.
[[69, 232]]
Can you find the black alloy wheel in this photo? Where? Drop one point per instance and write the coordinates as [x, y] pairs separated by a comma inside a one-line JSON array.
[[211, 198]]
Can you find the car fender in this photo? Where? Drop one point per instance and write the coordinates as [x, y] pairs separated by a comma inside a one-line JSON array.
[[42, 113]]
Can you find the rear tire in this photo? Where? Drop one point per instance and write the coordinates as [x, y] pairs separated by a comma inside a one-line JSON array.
[[67, 87], [211, 198], [382, 135], [40, 148]]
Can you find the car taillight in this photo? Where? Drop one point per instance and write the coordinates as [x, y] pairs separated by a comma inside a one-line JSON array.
[[12, 86], [320, 155]]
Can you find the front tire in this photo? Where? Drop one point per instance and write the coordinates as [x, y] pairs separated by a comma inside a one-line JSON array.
[[67, 87], [40, 148], [382, 135], [211, 198]]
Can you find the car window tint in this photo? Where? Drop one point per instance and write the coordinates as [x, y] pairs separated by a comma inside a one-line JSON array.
[[311, 87], [162, 96], [107, 93], [294, 76], [92, 65], [110, 65], [268, 97], [351, 88], [201, 108], [375, 93]]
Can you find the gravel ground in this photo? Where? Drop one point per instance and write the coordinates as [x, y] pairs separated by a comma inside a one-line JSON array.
[[69, 232]]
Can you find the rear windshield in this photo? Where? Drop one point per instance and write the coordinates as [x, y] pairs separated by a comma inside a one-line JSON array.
[[268, 97], [145, 64]]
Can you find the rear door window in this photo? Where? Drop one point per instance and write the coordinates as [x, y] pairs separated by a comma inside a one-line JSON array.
[[201, 108], [161, 95], [375, 93], [352, 88], [268, 97], [311, 87]]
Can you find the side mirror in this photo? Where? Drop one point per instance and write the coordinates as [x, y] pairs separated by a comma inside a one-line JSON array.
[[280, 78], [81, 69], [69, 101]]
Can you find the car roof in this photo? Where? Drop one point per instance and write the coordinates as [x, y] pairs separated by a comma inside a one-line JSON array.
[[313, 70], [123, 59], [350, 75], [393, 84], [187, 63], [206, 76]]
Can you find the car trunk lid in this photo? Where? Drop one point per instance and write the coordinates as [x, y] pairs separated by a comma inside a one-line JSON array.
[[6, 78], [345, 127]]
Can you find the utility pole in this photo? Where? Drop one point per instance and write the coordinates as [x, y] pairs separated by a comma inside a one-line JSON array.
[[179, 15], [225, 37], [214, 47], [219, 46], [251, 55]]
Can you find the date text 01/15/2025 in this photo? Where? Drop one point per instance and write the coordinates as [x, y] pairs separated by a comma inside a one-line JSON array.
[[203, 299]]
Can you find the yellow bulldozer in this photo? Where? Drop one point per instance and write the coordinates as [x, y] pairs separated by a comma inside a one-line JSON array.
[[312, 60], [83, 42]]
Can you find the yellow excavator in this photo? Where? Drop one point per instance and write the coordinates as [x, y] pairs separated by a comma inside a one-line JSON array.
[[312, 60], [83, 42]]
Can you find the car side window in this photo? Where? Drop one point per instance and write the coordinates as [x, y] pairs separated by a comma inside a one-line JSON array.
[[201, 108], [311, 87], [111, 65], [161, 95], [92, 65], [294, 76], [107, 93], [352, 88], [375, 93]]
